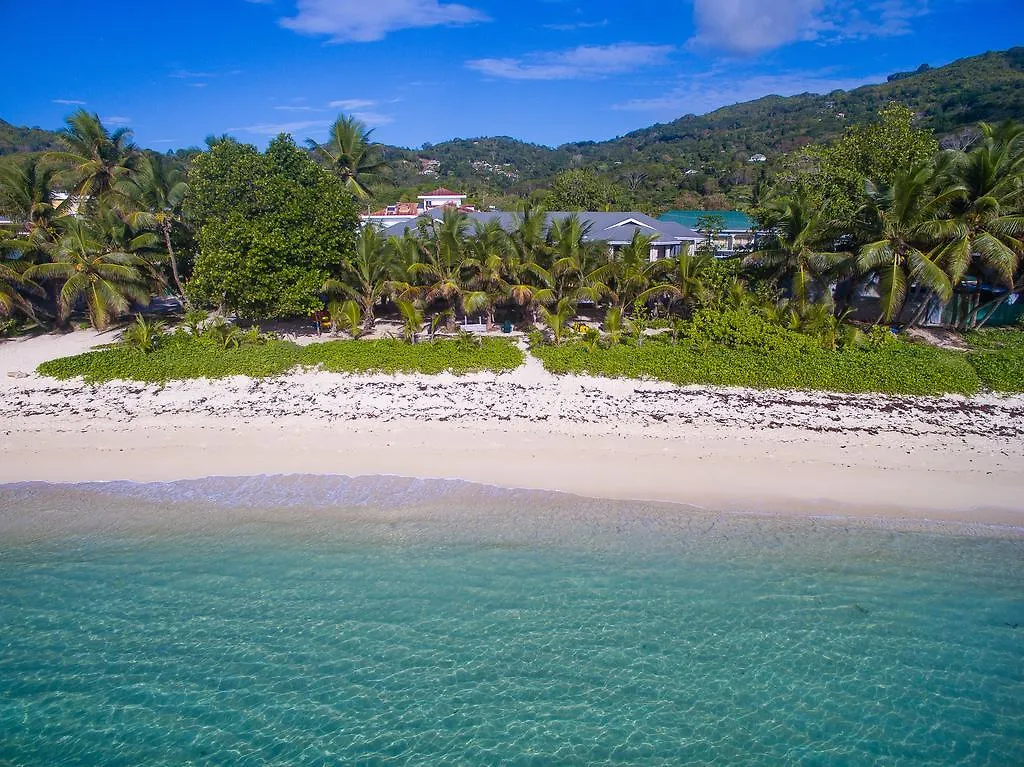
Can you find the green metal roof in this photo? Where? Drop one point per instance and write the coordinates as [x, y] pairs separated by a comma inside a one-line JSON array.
[[733, 219]]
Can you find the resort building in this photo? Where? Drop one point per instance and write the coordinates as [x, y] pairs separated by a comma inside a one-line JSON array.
[[614, 228], [402, 212], [737, 233]]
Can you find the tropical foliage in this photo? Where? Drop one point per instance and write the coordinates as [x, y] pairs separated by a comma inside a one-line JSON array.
[[181, 355]]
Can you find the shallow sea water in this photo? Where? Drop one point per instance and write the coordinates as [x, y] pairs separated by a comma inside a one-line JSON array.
[[386, 621]]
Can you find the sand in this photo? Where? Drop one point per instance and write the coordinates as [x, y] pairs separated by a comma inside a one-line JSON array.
[[950, 458]]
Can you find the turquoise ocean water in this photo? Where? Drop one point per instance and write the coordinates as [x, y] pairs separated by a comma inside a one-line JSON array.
[[384, 621]]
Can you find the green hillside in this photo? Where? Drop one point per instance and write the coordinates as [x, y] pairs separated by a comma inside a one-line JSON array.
[[716, 147], [15, 140]]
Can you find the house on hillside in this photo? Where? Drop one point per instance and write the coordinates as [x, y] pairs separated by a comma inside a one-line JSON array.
[[757, 158], [614, 228]]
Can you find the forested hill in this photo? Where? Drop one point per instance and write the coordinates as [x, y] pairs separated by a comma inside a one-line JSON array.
[[989, 87], [14, 140], [704, 160]]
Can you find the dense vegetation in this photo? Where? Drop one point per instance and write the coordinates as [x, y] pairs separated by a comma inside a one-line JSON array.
[[786, 360], [273, 235], [184, 356]]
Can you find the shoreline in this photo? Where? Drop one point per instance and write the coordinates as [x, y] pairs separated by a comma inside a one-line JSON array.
[[782, 472], [947, 459]]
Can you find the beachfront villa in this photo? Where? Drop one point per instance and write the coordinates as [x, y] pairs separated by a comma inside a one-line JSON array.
[[737, 234], [402, 212], [616, 228]]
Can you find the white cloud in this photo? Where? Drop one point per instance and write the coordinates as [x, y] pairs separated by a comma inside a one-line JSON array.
[[116, 120], [358, 21], [272, 129], [297, 108], [750, 27], [709, 91], [586, 61], [753, 26], [69, 102], [373, 119], [351, 104]]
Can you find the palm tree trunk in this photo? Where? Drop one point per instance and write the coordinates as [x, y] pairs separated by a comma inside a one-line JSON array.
[[166, 229], [368, 318]]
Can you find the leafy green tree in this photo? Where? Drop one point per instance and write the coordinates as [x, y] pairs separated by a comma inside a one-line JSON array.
[[412, 319], [580, 190], [88, 267], [272, 228], [710, 225], [834, 175], [13, 286], [350, 154]]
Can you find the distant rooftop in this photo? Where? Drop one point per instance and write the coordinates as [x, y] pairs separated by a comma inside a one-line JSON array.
[[443, 192], [733, 219]]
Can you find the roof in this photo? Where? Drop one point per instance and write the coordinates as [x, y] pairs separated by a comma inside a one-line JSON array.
[[734, 220], [400, 209], [616, 228], [442, 192]]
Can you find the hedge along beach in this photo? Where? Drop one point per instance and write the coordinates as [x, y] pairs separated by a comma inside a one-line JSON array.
[[950, 459]]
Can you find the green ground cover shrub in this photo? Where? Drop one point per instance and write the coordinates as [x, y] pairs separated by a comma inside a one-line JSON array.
[[178, 356], [183, 356], [897, 368], [997, 354], [394, 356]]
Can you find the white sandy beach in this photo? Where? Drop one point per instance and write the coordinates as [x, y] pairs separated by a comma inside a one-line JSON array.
[[949, 458]]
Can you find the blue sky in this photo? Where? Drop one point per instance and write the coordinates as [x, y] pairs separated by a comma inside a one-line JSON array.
[[546, 71]]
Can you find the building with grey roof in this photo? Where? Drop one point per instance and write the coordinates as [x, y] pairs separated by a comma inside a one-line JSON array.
[[615, 228]]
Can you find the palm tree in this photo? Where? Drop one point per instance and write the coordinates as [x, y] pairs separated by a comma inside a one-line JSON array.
[[558, 319], [87, 265], [97, 158], [487, 266], [580, 266], [27, 193], [412, 319], [902, 217], [983, 231], [529, 282], [369, 276], [350, 154], [794, 257], [12, 286], [632, 270], [681, 278], [157, 191], [442, 261]]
